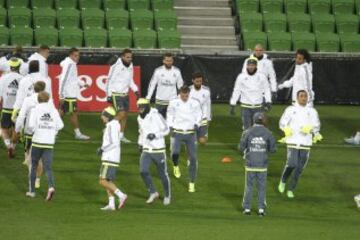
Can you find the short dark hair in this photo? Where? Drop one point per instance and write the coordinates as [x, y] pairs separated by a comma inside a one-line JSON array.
[[43, 97], [301, 91], [305, 53], [72, 50], [44, 47], [39, 86], [33, 66], [184, 89], [197, 75], [168, 55], [125, 51]]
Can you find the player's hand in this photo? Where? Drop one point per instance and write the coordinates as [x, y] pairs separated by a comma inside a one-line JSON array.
[[267, 106], [273, 96], [288, 131], [16, 137], [99, 151], [151, 136], [109, 100], [306, 129], [282, 140], [232, 110], [137, 95], [317, 138]]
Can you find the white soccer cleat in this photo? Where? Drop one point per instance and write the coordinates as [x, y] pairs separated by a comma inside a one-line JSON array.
[[30, 194], [152, 197], [357, 200], [166, 201], [108, 208], [125, 140], [50, 194], [122, 201], [352, 141], [81, 137]]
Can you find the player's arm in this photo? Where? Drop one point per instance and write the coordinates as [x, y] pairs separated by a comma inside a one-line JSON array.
[[113, 141], [133, 86], [19, 125], [179, 80], [285, 119], [65, 75], [58, 121], [111, 76], [152, 85], [243, 145], [271, 142], [266, 89], [164, 128], [272, 76], [170, 114], [244, 66], [32, 121], [289, 83], [236, 92]]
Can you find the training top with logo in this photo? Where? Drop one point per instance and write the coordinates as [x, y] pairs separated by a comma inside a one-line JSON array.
[[22, 121], [184, 116], [69, 84], [9, 85], [111, 142], [203, 96]]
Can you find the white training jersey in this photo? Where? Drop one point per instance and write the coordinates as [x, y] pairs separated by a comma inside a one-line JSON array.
[[9, 85], [69, 84], [166, 82], [120, 79], [111, 142], [184, 115], [43, 66], [251, 89], [296, 117], [204, 98], [156, 124], [22, 121], [5, 68]]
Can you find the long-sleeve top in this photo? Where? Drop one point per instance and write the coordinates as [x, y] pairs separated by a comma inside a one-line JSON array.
[[296, 117], [256, 143], [120, 79], [153, 123], [166, 82], [69, 84], [111, 143], [204, 98], [22, 121], [9, 85], [44, 123], [266, 67], [251, 89], [184, 116], [5, 68], [43, 66]]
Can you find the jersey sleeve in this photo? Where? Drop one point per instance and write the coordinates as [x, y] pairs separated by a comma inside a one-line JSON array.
[[64, 78], [272, 76], [110, 79], [112, 136], [285, 119], [267, 91], [163, 126], [152, 85], [236, 92], [170, 115], [20, 120], [315, 121], [179, 80]]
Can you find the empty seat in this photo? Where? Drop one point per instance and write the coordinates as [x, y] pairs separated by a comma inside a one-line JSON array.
[[70, 37], [17, 3], [302, 40], [295, 6], [117, 18], [44, 17], [247, 6], [4, 36], [114, 4], [3, 17], [162, 4], [138, 4], [83, 4], [92, 18], [250, 39], [343, 6], [323, 23], [46, 36], [319, 6], [271, 6], [141, 19], [279, 41], [357, 6], [145, 39], [299, 22], [19, 17], [275, 22], [68, 17], [169, 39], [95, 38], [120, 38], [251, 22], [327, 42], [22, 36], [165, 19], [350, 42], [60, 4], [42, 4], [347, 23]]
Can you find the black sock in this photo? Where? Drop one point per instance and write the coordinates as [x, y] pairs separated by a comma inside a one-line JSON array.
[[175, 158]]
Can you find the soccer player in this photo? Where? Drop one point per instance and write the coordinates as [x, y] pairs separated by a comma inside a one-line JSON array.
[[9, 84], [202, 93], [69, 90], [153, 129], [251, 87], [357, 200], [166, 80], [16, 53], [265, 66], [110, 158], [42, 55], [44, 123], [301, 126], [354, 140], [302, 78], [22, 125], [256, 143], [184, 117], [120, 80]]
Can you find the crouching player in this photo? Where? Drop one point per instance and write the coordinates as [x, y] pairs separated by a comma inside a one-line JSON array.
[[110, 158], [301, 126], [153, 129], [256, 143]]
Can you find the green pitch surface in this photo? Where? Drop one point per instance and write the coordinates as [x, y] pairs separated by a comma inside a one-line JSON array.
[[323, 208]]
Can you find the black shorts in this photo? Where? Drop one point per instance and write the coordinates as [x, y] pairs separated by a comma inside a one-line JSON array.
[[69, 105], [120, 102], [6, 121]]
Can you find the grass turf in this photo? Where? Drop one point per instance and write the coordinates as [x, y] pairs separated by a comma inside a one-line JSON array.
[[323, 207]]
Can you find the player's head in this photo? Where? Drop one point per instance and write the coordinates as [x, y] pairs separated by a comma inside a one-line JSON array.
[[33, 66], [302, 56], [251, 65], [39, 86], [44, 51], [197, 79], [43, 97], [108, 114], [258, 51], [143, 105], [14, 64], [184, 93], [126, 56], [74, 54], [168, 60], [259, 118], [17, 52], [302, 97]]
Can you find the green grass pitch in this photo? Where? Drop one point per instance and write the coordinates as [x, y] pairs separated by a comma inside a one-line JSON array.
[[323, 207]]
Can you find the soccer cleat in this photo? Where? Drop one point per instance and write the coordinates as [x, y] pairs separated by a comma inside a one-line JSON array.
[[50, 194], [37, 183], [352, 141], [166, 201], [281, 187], [261, 212], [81, 137], [30, 194], [122, 201], [290, 194], [191, 187], [125, 140], [357, 200], [177, 172], [108, 208], [247, 212], [152, 197]]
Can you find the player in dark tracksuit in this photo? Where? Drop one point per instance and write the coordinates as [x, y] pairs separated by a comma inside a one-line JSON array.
[[256, 143]]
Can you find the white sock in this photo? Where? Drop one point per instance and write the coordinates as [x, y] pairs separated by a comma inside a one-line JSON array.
[[7, 143], [37, 179], [119, 193], [112, 201], [357, 136], [77, 131]]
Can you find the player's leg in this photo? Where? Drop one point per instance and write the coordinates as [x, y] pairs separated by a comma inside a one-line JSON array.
[[160, 160], [292, 159], [191, 148], [248, 191], [302, 161], [35, 158], [175, 153], [7, 126], [70, 106], [47, 159], [202, 134], [246, 116], [145, 162], [123, 109], [261, 178], [39, 173]]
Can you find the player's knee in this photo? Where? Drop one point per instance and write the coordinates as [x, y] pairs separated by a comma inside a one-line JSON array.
[[102, 181]]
